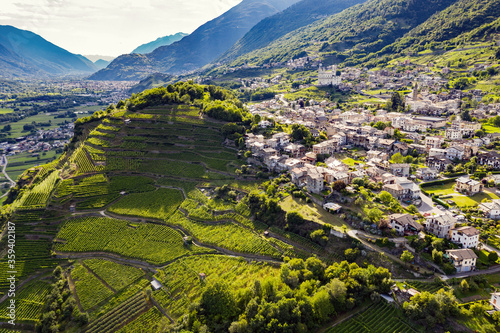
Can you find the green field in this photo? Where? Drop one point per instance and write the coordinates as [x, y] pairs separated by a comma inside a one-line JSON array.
[[491, 129], [19, 163], [29, 301], [447, 192]]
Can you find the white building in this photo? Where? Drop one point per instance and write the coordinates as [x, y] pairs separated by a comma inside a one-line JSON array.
[[464, 260], [328, 77], [441, 224], [495, 301], [467, 237], [491, 209], [453, 134]]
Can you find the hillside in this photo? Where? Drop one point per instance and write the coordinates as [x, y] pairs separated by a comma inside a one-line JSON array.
[[463, 21], [351, 34], [204, 45], [148, 191], [161, 41], [296, 16], [25, 54]]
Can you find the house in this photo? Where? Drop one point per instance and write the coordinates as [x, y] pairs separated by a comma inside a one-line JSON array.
[[490, 158], [468, 186], [314, 181], [467, 237], [404, 224], [456, 152], [295, 150], [491, 209], [441, 224], [426, 174], [400, 170], [438, 162], [452, 134], [298, 176], [403, 189], [464, 260], [332, 207], [495, 301], [433, 142]]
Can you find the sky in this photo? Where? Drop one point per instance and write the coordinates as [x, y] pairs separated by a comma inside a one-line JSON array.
[[109, 27]]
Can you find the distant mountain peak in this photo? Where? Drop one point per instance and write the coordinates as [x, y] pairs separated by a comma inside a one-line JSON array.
[[24, 53], [160, 41]]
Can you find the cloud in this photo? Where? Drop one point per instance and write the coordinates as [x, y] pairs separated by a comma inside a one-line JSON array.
[[110, 27]]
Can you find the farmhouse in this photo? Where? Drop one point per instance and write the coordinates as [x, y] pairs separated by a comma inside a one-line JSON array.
[[440, 225], [404, 224], [464, 260], [468, 186], [467, 237], [491, 209]]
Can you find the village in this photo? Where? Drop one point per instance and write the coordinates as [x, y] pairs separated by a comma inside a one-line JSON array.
[[420, 155]]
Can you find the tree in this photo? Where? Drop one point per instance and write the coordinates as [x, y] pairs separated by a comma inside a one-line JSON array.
[[217, 302], [300, 132], [351, 254], [386, 197], [338, 185], [412, 209], [294, 218], [493, 256], [466, 116], [396, 102], [319, 236], [497, 53], [464, 286], [375, 215], [437, 256], [397, 158], [406, 257]]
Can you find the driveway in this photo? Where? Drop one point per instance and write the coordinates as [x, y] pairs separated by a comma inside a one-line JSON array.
[[427, 206]]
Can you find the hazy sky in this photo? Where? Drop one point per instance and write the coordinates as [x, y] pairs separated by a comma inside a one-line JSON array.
[[108, 27]]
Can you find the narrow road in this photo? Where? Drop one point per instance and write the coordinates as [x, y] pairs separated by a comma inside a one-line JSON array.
[[12, 183]]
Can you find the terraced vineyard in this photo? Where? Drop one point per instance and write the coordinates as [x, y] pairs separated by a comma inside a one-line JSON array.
[[227, 235], [37, 197], [89, 289], [29, 302], [144, 322], [94, 234], [159, 204], [120, 315], [116, 276], [379, 318]]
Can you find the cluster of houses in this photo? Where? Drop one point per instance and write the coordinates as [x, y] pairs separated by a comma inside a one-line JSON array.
[[42, 140], [443, 226]]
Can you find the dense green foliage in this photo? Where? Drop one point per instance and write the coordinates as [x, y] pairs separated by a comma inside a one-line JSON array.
[[360, 29], [306, 294]]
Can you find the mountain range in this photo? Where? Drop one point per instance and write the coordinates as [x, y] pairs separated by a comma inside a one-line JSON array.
[[161, 41], [204, 45], [24, 53]]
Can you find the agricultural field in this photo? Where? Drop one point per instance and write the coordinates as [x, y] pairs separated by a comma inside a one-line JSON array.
[[226, 235], [19, 163], [29, 300], [381, 317], [183, 282], [144, 322], [123, 238], [117, 276], [89, 290], [159, 204]]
